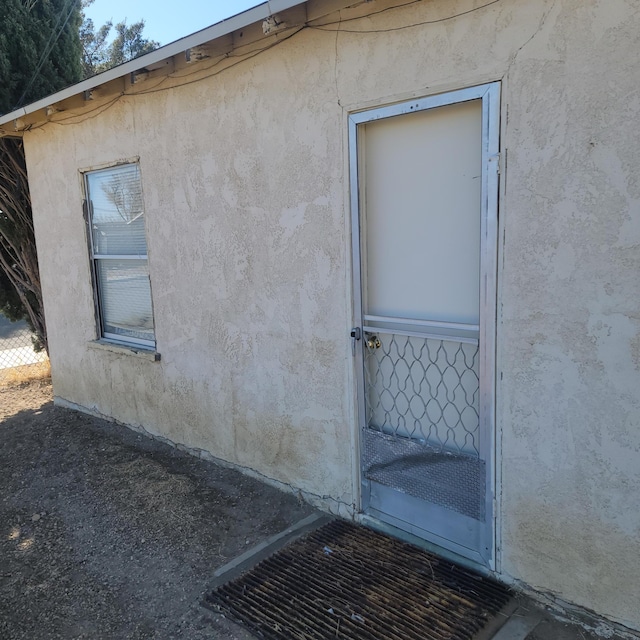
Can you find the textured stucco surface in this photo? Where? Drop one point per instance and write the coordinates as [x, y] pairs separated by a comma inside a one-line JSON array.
[[570, 310], [245, 188]]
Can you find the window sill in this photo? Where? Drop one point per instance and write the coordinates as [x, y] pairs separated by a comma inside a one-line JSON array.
[[121, 349]]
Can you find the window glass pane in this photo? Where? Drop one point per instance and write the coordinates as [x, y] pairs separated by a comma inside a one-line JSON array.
[[117, 214], [125, 298]]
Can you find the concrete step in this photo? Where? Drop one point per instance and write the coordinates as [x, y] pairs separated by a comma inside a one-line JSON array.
[[525, 620]]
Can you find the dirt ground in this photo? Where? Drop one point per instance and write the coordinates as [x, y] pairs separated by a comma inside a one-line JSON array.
[[106, 534]]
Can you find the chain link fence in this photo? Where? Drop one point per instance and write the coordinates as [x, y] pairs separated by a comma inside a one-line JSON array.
[[16, 347]]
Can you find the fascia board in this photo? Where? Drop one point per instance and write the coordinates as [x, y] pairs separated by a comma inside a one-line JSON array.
[[239, 21], [281, 5]]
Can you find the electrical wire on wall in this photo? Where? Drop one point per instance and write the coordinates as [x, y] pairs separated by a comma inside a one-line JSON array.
[[243, 57], [322, 27]]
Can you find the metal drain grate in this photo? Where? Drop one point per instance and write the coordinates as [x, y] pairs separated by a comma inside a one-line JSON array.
[[345, 581]]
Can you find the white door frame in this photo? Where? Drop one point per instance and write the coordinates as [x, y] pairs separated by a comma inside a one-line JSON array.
[[490, 96]]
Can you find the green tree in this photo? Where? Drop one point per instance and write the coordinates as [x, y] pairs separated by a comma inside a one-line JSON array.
[[45, 45], [129, 43], [40, 53], [39, 49], [98, 54], [94, 45]]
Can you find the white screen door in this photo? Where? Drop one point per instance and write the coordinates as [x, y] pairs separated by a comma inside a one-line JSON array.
[[424, 197]]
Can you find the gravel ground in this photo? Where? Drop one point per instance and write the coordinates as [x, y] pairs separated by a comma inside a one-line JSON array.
[[108, 534]]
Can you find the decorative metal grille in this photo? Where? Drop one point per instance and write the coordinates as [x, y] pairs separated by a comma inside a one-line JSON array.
[[16, 345], [424, 389], [423, 421]]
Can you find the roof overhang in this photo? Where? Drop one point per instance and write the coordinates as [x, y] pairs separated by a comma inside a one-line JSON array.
[[10, 122]]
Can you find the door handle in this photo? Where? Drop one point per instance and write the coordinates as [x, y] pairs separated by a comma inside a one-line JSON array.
[[356, 334], [373, 342]]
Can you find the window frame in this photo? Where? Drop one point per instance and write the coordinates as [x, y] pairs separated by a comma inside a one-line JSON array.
[[95, 258]]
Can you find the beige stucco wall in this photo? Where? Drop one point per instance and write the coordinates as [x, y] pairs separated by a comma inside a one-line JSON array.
[[244, 179]]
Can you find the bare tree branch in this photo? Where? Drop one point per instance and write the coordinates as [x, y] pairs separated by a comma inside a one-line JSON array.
[[18, 257]]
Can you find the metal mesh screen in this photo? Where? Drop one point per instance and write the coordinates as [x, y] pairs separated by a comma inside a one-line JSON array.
[[424, 389], [422, 435], [16, 345]]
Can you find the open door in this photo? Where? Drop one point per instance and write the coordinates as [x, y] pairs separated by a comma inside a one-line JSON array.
[[424, 178]]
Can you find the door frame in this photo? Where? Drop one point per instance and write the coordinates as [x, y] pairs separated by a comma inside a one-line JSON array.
[[490, 95]]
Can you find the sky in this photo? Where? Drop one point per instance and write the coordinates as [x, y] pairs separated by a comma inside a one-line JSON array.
[[167, 21]]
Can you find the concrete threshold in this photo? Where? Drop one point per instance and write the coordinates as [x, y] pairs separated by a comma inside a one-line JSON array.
[[512, 623]]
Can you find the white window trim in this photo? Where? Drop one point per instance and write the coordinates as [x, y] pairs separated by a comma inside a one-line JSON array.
[[105, 337]]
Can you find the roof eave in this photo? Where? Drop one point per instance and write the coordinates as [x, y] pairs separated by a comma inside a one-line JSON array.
[[223, 28]]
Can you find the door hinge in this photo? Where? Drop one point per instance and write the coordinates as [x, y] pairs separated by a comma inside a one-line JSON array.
[[495, 161]]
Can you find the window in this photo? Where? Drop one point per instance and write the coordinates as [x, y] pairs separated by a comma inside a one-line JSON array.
[[119, 255]]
